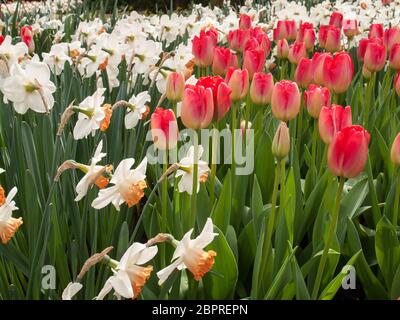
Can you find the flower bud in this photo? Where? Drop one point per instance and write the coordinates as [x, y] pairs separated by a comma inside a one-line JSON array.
[[164, 128], [303, 74], [222, 60], [175, 86], [282, 49], [254, 61], [238, 81], [244, 21], [350, 28], [333, 119], [336, 19], [281, 142], [375, 31], [395, 151], [296, 52], [315, 98], [338, 72], [391, 36], [261, 88], [285, 100], [375, 57], [394, 57], [197, 108]]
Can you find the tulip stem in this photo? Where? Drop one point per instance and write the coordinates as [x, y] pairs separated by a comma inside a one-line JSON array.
[[193, 204], [299, 127], [164, 207], [331, 232], [396, 199], [370, 88], [213, 164], [233, 141], [314, 151]]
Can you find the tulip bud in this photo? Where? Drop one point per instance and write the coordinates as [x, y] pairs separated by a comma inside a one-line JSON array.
[[261, 88], [303, 74], [350, 28], [238, 81], [253, 61], [348, 152], [317, 66], [333, 119], [338, 72], [395, 151], [285, 100], [27, 38], [164, 128], [332, 39], [363, 44], [203, 49], [336, 19], [375, 30], [197, 108], [237, 39], [244, 21], [282, 49], [391, 36], [281, 142], [296, 52], [263, 41], [315, 98], [394, 57], [306, 34], [175, 86], [375, 57], [397, 83], [222, 60]]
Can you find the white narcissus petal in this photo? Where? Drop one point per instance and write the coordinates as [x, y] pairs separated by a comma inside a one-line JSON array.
[[131, 120], [122, 171], [146, 255], [122, 284], [206, 236], [166, 272], [131, 255], [180, 248], [105, 197], [71, 290], [106, 289]]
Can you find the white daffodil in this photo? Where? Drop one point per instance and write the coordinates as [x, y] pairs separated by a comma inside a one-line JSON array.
[[129, 276], [92, 174], [186, 168], [29, 88], [91, 115], [128, 185], [8, 225], [146, 54], [71, 290], [12, 53], [57, 57], [94, 59], [189, 254], [136, 109]]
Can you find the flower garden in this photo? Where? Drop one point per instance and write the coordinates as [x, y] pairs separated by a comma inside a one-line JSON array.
[[232, 151]]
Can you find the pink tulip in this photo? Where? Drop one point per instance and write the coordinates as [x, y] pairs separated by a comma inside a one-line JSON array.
[[285, 100], [350, 28], [203, 50], [262, 39], [375, 31], [375, 57], [348, 152], [164, 128], [394, 57], [318, 66], [237, 39], [362, 46], [338, 72], [27, 37], [197, 107], [391, 36], [304, 73], [336, 19], [282, 49], [238, 81], [175, 86], [244, 21], [296, 52], [285, 29], [222, 60], [395, 151], [306, 34], [333, 119], [329, 38], [261, 88], [315, 98], [254, 61]]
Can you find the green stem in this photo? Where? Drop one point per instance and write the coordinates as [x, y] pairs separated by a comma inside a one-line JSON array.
[[314, 151], [213, 164], [299, 126], [396, 199], [331, 232], [369, 98], [323, 162], [233, 141], [193, 204], [164, 208]]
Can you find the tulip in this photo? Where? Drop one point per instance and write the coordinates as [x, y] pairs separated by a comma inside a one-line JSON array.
[[315, 98], [285, 100], [338, 72], [395, 151], [164, 128], [197, 108], [261, 88], [251, 44], [331, 39], [363, 44], [348, 152], [306, 34], [285, 30], [203, 49], [375, 57], [281, 142], [254, 61], [221, 94], [263, 42], [237, 39], [282, 49], [391, 36], [336, 19], [397, 83], [333, 119], [27, 38], [317, 66], [394, 57], [303, 74], [350, 28], [238, 81], [222, 60], [175, 86], [244, 21], [375, 31], [297, 51], [385, 2]]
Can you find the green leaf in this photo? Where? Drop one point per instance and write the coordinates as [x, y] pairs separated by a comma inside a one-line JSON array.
[[221, 212]]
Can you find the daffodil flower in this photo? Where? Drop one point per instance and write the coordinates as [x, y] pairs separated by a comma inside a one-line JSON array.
[[137, 109], [8, 225], [71, 290]]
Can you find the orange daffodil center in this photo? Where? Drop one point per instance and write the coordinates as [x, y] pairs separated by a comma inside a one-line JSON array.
[[8, 225]]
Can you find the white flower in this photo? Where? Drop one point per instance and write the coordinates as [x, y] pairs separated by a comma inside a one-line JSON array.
[[12, 53], [92, 171], [146, 55], [189, 254], [91, 115], [128, 185], [72, 289], [129, 277], [57, 57], [29, 88], [94, 59], [137, 109], [8, 225], [186, 171]]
